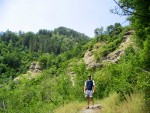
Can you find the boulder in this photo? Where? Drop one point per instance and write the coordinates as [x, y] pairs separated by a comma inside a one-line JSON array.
[[35, 67]]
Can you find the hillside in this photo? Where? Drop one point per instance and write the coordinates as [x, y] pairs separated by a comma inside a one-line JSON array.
[[46, 71], [19, 50], [112, 57]]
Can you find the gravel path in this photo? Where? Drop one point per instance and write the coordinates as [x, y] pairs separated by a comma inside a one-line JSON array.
[[97, 108]]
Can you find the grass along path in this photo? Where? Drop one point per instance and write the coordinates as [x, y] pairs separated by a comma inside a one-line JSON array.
[[111, 104]]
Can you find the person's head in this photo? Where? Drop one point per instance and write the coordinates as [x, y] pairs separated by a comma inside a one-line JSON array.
[[89, 77]]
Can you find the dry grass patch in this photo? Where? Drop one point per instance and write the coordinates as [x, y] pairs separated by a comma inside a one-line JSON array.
[[133, 104], [74, 107]]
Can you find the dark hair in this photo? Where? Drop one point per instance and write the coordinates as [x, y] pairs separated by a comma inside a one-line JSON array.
[[89, 75]]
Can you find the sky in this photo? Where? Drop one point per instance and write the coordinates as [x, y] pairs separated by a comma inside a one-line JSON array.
[[81, 15]]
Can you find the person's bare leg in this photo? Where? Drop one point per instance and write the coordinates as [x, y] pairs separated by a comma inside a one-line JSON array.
[[92, 101], [88, 102]]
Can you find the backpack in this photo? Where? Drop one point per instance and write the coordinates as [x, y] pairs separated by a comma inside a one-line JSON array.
[[89, 84]]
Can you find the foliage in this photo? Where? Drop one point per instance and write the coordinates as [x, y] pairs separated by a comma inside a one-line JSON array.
[[98, 31], [41, 95], [146, 54], [107, 48], [60, 53], [18, 50], [139, 17], [112, 37]]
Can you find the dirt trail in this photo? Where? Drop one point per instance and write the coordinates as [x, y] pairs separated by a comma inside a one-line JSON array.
[[97, 109]]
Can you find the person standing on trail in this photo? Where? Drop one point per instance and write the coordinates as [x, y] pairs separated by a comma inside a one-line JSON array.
[[89, 89]]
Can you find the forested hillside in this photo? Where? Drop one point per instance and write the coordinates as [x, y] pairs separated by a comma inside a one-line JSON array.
[[18, 50], [122, 85]]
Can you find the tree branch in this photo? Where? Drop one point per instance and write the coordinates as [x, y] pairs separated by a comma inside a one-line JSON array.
[[130, 12]]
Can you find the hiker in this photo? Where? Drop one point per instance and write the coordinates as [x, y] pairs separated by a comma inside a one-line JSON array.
[[89, 89]]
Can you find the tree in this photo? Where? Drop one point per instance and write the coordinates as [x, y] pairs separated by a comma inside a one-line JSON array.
[[133, 7], [109, 29], [138, 12], [9, 36], [27, 38], [146, 54], [99, 31]]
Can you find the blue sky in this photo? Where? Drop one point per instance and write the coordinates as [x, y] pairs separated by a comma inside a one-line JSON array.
[[81, 15]]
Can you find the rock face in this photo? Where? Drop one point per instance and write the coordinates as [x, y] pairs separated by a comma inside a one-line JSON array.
[[33, 72], [90, 61], [72, 75], [112, 57], [115, 55], [35, 67]]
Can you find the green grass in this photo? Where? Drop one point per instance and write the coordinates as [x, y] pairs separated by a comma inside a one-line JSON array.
[[112, 104]]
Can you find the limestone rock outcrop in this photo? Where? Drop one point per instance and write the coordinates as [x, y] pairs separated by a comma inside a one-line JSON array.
[[112, 57], [35, 67]]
